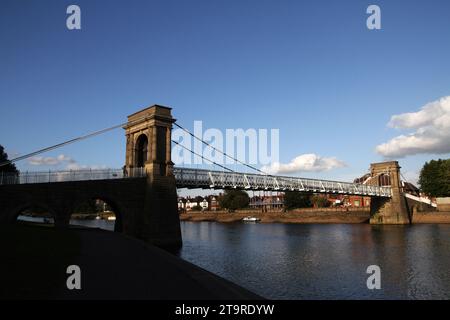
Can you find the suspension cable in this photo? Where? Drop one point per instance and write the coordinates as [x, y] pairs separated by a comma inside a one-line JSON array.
[[220, 151], [195, 153], [404, 179], [96, 133], [59, 145]]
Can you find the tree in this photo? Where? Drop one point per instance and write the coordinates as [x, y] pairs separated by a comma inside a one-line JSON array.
[[196, 208], [10, 167], [293, 200], [198, 200], [434, 179], [234, 199], [320, 201]]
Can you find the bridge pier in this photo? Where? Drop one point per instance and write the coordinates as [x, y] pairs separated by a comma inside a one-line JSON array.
[[148, 135], [392, 210]]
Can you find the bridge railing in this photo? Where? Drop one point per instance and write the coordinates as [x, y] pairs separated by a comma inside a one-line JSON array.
[[200, 178], [69, 175]]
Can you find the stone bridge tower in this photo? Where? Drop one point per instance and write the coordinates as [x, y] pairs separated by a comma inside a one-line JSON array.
[[148, 136], [392, 210]]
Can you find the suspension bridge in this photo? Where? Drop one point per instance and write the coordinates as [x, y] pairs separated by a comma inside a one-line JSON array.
[[143, 193]]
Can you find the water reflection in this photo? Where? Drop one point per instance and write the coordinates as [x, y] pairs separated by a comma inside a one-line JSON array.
[[287, 261]]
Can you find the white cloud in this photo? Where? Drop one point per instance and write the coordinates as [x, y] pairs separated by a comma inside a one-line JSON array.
[[305, 162], [70, 164], [50, 161], [432, 131], [76, 166]]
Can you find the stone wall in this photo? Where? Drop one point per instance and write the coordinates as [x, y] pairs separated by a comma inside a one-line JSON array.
[[142, 208], [443, 204]]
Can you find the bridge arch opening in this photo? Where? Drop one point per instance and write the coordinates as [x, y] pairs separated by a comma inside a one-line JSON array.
[[97, 212], [34, 214], [141, 150], [384, 179]]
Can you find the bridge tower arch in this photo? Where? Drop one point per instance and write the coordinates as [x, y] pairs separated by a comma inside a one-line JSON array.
[[148, 145], [148, 135], [392, 210], [141, 151]]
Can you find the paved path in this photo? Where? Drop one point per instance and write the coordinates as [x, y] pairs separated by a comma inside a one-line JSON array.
[[117, 267]]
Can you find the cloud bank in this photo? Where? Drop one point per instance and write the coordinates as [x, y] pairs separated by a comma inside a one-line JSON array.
[[50, 161], [431, 125], [70, 164], [309, 162]]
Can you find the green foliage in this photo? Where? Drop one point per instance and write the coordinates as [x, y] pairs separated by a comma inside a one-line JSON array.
[[293, 200], [320, 201], [198, 199], [11, 168], [434, 178], [196, 208], [234, 199]]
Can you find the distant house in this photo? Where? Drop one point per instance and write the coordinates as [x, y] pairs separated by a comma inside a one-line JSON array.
[[186, 204], [340, 200], [206, 203], [265, 203], [213, 203]]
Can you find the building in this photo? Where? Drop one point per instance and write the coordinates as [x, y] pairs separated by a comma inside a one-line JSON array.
[[208, 203], [267, 202], [340, 200]]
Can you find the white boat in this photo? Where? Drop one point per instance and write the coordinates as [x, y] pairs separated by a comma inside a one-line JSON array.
[[251, 219]]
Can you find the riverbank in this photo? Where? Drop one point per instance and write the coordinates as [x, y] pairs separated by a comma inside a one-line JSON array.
[[113, 266], [431, 217], [325, 215]]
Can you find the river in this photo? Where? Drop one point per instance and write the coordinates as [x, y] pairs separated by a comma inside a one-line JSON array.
[[314, 261]]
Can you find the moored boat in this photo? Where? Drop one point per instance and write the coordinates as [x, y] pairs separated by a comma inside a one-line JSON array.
[[251, 219]]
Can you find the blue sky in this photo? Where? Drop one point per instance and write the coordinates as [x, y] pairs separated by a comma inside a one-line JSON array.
[[310, 68]]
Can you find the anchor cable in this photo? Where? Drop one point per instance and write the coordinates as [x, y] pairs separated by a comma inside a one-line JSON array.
[[195, 153]]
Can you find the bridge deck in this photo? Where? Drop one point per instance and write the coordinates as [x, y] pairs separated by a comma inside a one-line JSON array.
[[200, 178], [206, 179]]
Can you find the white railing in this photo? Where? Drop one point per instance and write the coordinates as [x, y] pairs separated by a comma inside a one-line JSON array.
[[70, 175], [200, 178], [420, 199]]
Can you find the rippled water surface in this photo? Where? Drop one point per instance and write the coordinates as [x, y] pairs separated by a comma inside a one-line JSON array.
[[294, 261]]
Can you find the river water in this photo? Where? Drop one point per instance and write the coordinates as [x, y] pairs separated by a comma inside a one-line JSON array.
[[314, 261]]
